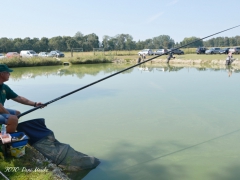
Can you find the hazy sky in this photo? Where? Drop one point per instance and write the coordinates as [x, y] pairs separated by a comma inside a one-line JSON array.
[[141, 19]]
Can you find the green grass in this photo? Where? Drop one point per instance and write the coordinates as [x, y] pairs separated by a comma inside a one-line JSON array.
[[204, 56], [28, 62], [26, 167], [89, 59], [103, 57]]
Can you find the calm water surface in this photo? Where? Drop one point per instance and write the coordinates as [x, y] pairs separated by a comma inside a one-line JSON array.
[[155, 123]]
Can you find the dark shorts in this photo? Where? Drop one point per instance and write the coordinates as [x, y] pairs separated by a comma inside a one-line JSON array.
[[4, 117]]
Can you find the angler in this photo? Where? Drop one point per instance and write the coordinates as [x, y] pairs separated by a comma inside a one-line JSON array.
[[229, 59]]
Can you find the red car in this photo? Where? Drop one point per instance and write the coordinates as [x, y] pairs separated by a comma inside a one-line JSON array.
[[12, 54]]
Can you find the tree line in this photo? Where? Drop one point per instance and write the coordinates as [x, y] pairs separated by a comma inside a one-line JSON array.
[[118, 42]]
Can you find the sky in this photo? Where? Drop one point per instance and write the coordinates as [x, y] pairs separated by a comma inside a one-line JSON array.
[[138, 18]]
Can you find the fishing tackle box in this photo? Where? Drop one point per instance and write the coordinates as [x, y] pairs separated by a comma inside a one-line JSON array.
[[15, 143]]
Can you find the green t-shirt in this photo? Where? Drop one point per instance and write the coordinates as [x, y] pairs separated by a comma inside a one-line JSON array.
[[6, 93]]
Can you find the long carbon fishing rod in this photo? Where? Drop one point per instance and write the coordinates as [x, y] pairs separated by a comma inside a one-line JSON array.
[[114, 74]]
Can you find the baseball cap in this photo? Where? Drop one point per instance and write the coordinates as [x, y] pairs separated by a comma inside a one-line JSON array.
[[4, 67]]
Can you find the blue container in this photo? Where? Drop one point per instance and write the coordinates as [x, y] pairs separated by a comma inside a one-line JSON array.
[[19, 135]]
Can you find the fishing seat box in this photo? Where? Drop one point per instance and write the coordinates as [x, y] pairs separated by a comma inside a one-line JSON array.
[[17, 147]]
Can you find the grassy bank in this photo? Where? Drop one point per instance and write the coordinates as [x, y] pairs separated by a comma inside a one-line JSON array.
[[128, 56], [89, 59], [47, 61], [29, 166], [103, 57]]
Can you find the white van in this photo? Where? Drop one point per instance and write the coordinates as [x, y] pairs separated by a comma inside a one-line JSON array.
[[28, 53]]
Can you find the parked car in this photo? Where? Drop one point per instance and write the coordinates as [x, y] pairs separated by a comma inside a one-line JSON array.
[[160, 51], [56, 53], [235, 50], [176, 51], [43, 54], [224, 51], [201, 50], [12, 54], [1, 56], [28, 53], [214, 50], [145, 52]]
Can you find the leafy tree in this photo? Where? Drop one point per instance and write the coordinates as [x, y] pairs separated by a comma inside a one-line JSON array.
[[27, 43], [163, 41], [44, 44], [209, 43], [238, 40], [72, 43], [232, 42], [112, 44], [79, 38], [130, 44], [140, 45], [17, 44], [6, 44], [190, 40], [118, 42], [148, 44], [105, 43], [57, 43], [36, 45], [90, 41], [226, 41]]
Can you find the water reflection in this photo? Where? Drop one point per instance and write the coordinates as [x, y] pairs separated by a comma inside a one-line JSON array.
[[78, 70], [82, 70], [27, 75], [78, 174], [201, 69], [231, 70]]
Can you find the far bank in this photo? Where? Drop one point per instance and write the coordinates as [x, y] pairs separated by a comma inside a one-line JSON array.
[[186, 59]]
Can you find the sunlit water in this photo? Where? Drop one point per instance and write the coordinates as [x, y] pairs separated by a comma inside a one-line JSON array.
[[142, 124]]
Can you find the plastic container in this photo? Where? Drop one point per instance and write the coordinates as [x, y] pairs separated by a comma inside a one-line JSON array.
[[19, 142], [3, 130], [17, 151], [6, 139]]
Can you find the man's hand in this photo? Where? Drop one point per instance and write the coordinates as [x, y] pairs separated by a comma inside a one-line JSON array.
[[40, 104], [25, 101]]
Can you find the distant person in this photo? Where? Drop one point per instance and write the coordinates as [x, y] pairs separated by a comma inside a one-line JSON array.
[[170, 56], [144, 56], [9, 116], [229, 59], [139, 59]]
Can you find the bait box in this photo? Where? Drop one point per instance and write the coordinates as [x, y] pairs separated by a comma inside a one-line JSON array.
[[19, 143]]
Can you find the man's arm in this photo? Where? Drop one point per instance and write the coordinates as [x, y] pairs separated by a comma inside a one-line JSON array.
[[3, 110], [24, 100]]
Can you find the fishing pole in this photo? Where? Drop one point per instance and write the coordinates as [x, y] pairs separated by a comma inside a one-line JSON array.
[[114, 74], [3, 175]]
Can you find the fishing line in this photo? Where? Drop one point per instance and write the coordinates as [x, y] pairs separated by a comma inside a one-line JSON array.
[[114, 74], [180, 150]]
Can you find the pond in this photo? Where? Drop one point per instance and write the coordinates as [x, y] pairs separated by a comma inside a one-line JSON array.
[[150, 122]]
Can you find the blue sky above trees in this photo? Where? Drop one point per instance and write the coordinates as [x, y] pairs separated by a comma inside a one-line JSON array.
[[138, 18]]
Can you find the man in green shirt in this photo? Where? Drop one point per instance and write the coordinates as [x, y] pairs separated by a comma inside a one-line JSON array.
[[9, 116]]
